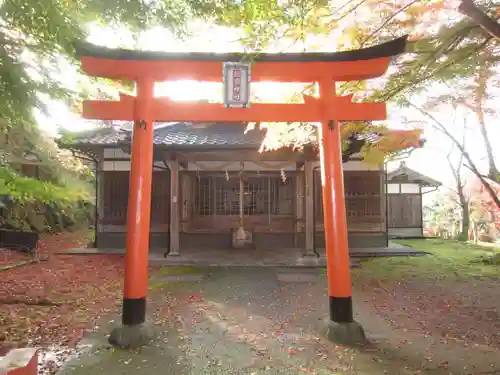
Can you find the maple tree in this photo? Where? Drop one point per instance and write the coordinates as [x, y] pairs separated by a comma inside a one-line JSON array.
[[463, 204], [473, 95], [37, 43], [451, 213], [443, 44], [483, 200]]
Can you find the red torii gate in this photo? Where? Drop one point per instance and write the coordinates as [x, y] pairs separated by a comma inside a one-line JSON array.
[[323, 68]]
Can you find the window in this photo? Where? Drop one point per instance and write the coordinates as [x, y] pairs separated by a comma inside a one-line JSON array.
[[115, 197], [362, 196], [263, 195], [392, 188]]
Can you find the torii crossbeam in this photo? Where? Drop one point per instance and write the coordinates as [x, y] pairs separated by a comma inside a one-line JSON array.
[[146, 68]]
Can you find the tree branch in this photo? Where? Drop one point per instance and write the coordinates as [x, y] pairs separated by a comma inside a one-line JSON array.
[[440, 127], [477, 108], [469, 9], [480, 97], [421, 80], [386, 21]]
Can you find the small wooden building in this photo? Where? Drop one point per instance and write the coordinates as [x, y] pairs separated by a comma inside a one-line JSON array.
[[404, 201], [200, 173]]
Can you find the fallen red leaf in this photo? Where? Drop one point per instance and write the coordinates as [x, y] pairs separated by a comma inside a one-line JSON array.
[[195, 298]]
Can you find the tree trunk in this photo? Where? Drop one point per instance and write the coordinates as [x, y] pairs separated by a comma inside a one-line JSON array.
[[493, 173], [478, 109], [469, 9], [475, 232], [464, 233]]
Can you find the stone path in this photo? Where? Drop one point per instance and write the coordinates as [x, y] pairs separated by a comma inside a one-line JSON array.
[[267, 321]]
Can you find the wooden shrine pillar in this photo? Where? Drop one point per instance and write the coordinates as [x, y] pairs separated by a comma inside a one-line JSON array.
[[335, 224], [309, 207], [100, 193], [185, 197], [133, 332], [174, 208], [299, 205]]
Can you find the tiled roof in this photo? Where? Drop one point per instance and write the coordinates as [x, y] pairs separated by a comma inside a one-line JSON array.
[[183, 135], [216, 135], [102, 136], [197, 135], [403, 173]]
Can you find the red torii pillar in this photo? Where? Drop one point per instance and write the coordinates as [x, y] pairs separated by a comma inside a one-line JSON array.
[[139, 207], [342, 326], [146, 68]]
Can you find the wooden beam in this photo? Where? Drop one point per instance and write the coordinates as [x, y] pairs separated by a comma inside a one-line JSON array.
[[211, 71], [171, 155], [341, 108], [245, 155]]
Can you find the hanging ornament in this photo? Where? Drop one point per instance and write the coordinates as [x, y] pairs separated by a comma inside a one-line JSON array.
[[198, 175], [227, 176], [258, 174], [283, 175]]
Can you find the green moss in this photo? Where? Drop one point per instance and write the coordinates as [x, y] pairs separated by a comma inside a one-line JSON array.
[[164, 271], [447, 259], [159, 282]]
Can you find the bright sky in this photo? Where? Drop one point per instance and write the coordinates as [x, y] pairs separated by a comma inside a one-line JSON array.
[[431, 160]]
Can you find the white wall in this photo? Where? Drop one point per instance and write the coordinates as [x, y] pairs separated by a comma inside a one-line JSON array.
[[404, 188]]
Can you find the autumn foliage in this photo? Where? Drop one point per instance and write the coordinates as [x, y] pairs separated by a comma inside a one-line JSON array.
[[56, 300], [488, 205]]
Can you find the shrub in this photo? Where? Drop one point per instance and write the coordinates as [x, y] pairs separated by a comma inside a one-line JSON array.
[[31, 204]]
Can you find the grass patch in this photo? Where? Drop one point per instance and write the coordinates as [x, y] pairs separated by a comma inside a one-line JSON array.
[[89, 236], [448, 259], [158, 283], [166, 271]]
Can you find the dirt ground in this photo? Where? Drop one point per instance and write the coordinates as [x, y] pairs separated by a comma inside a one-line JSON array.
[[453, 293], [460, 310], [54, 301]]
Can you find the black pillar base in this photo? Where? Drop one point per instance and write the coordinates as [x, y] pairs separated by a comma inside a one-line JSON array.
[[134, 332], [134, 311], [341, 309], [342, 328], [348, 334], [133, 336]]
